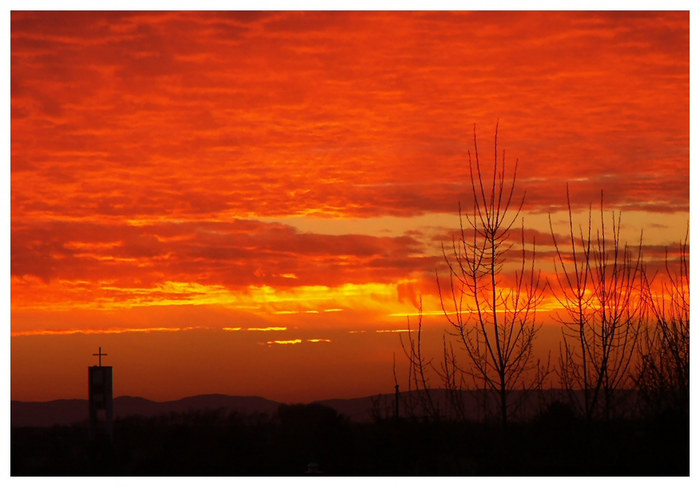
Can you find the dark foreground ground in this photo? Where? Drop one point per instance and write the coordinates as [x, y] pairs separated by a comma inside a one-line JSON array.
[[303, 438]]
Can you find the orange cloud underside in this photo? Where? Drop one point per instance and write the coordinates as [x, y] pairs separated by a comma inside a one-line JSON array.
[[245, 171]]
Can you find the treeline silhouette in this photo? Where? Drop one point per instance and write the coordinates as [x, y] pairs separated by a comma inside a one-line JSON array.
[[315, 439]]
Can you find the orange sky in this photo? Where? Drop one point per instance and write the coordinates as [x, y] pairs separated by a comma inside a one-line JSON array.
[[244, 203]]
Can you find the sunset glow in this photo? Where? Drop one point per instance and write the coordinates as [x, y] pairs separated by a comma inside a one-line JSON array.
[[257, 202]]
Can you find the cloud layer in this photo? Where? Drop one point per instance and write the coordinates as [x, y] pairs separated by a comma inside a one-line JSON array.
[[239, 170], [209, 115]]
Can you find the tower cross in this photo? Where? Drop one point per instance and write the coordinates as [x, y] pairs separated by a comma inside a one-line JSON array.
[[100, 355]]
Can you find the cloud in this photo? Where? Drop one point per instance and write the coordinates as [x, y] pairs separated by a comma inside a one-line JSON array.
[[235, 254], [190, 115], [100, 331]]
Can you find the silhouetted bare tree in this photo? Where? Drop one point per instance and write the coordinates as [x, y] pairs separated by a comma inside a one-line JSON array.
[[664, 371], [418, 367], [597, 286], [494, 319]]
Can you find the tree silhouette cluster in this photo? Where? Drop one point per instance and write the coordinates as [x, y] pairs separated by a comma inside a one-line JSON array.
[[625, 326]]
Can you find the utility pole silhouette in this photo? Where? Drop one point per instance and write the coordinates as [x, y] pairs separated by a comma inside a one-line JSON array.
[[396, 402], [396, 392]]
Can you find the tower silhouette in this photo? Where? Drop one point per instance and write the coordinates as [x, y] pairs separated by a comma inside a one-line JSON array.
[[101, 401]]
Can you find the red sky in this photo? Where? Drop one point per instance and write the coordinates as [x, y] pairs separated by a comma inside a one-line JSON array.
[[244, 203]]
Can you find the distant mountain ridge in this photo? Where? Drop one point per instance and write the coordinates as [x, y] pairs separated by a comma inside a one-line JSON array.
[[69, 411], [362, 409]]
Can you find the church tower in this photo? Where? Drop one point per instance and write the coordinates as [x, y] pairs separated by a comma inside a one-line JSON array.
[[101, 400]]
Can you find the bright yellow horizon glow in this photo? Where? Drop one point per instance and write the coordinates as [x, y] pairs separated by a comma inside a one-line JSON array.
[[264, 301], [294, 341]]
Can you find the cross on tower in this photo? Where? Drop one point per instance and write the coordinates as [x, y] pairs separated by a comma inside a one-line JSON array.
[[100, 355]]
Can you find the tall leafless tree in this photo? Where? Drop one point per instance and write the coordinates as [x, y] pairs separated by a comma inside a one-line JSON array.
[[494, 318], [664, 370], [418, 369], [598, 288]]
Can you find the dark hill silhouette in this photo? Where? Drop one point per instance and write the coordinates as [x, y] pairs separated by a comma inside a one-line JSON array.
[[70, 411]]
